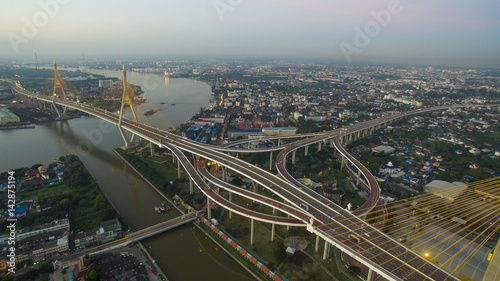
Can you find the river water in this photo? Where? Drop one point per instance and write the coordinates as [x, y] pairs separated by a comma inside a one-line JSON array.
[[183, 253]]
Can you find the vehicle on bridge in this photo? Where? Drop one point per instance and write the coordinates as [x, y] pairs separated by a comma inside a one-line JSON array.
[[354, 238], [304, 206]]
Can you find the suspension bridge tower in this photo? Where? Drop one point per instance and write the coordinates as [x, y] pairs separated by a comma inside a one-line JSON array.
[[58, 85], [126, 101]]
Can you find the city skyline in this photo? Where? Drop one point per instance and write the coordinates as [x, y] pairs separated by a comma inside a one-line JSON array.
[[408, 32]]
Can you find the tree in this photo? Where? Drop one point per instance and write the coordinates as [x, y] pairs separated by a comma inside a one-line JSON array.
[[44, 277], [93, 274], [93, 271], [236, 181]]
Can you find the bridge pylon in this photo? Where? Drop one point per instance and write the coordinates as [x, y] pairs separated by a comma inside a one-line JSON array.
[[126, 101], [58, 85]]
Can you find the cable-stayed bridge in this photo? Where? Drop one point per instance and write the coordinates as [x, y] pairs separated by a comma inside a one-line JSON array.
[[335, 225]]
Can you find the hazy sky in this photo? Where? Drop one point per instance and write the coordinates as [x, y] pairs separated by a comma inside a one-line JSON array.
[[421, 31]]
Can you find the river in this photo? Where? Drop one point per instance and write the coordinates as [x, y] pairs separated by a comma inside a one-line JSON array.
[[183, 253]]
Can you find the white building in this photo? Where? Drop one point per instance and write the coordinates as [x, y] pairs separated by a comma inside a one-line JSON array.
[[105, 83], [279, 131], [6, 116]]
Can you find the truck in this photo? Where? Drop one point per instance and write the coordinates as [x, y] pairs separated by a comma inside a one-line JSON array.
[[304, 206]]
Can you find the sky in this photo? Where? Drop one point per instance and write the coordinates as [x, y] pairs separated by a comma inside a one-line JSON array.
[[455, 33]]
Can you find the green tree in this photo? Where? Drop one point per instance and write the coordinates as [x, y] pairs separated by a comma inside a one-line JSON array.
[[93, 275], [237, 181]]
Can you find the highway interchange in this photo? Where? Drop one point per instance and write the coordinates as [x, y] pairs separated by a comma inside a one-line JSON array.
[[331, 222]]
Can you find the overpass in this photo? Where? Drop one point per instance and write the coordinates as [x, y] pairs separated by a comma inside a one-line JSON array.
[[329, 221], [134, 237]]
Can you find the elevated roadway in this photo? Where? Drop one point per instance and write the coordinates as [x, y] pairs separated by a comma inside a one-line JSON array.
[[292, 211], [221, 201], [329, 221], [134, 236]]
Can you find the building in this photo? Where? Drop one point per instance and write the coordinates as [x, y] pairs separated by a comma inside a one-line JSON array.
[[31, 174], [81, 267], [44, 245], [86, 239], [105, 83], [108, 231], [43, 172], [6, 116], [383, 148], [43, 228], [17, 212], [334, 193], [243, 133], [443, 189], [202, 121], [279, 131]]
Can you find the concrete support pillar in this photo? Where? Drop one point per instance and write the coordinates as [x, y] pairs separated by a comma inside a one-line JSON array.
[[331, 143], [191, 189], [209, 209], [56, 109], [293, 157], [127, 144], [319, 146], [307, 150], [251, 232], [358, 177], [152, 149], [223, 174], [173, 158], [255, 187], [271, 161], [316, 247], [370, 276], [288, 227], [178, 169], [230, 200], [342, 161], [273, 226], [279, 142], [326, 251]]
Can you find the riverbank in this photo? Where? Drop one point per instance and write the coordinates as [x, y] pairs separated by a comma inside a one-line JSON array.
[[208, 234], [176, 251], [63, 189], [170, 200]]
